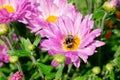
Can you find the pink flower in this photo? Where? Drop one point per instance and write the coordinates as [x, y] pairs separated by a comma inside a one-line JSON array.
[[17, 76], [11, 10], [4, 57], [32, 12], [50, 10], [72, 37], [114, 2]]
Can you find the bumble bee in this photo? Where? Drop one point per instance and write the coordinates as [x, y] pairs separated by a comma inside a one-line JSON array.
[[69, 41]]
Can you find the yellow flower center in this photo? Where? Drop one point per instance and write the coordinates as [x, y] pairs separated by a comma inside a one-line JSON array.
[[71, 42], [52, 18], [9, 8]]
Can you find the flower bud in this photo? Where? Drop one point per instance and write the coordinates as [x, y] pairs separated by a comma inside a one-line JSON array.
[[17, 76], [60, 58], [3, 29], [31, 47], [109, 6], [13, 59], [109, 67], [96, 70]]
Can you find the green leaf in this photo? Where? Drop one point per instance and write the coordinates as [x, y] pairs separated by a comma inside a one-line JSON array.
[[35, 75], [45, 68], [112, 75], [59, 72], [1, 41], [19, 52], [69, 1], [37, 40], [117, 53], [25, 43], [5, 70], [50, 76], [79, 78], [116, 62], [97, 78], [98, 14], [2, 77]]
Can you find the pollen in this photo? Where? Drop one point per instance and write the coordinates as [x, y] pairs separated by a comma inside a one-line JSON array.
[[71, 42], [9, 8], [52, 18]]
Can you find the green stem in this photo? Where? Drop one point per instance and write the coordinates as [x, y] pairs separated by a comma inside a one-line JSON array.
[[87, 4], [68, 71], [105, 76], [2, 74], [9, 43], [69, 68], [19, 68], [102, 27], [90, 6], [93, 76], [35, 63], [18, 63], [59, 72], [103, 20]]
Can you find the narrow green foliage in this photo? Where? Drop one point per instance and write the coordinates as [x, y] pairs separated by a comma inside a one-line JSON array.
[[59, 72], [34, 76], [19, 52], [25, 43], [99, 13], [117, 53], [37, 40], [111, 75], [2, 78], [45, 68], [69, 1]]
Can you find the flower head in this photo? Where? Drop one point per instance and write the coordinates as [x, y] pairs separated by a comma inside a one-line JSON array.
[[4, 57], [11, 10], [73, 38], [17, 76], [50, 10]]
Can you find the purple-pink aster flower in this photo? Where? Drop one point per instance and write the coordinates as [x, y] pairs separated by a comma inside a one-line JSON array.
[[11, 10], [50, 10], [114, 2], [17, 76], [72, 37], [4, 57]]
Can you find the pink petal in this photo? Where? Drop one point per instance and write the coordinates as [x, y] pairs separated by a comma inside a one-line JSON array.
[[54, 63], [77, 63]]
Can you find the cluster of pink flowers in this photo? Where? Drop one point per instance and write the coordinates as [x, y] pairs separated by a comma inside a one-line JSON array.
[[67, 31], [17, 76], [17, 10], [4, 57]]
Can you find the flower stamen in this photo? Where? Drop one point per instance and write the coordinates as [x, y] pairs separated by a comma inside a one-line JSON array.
[[9, 8], [52, 18], [71, 42]]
